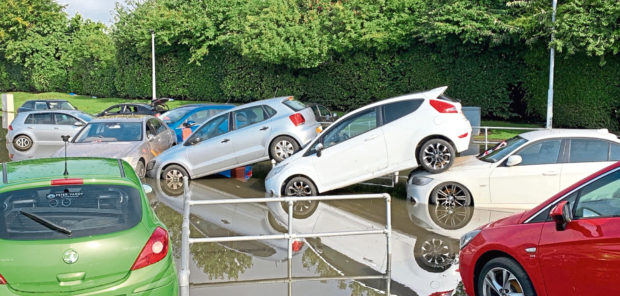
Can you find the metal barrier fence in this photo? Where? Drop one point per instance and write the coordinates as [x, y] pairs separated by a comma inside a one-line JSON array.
[[291, 236], [486, 129]]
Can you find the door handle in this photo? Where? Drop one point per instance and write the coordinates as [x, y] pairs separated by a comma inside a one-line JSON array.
[[371, 138], [550, 173], [264, 128], [225, 140]]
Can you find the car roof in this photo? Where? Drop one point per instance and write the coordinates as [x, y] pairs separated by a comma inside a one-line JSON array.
[[47, 100], [204, 105], [71, 112], [262, 102], [569, 133], [123, 118], [134, 104], [44, 169]]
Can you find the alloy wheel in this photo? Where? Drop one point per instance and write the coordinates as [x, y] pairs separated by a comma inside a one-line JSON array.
[[452, 195], [500, 281], [174, 179], [436, 253], [436, 156]]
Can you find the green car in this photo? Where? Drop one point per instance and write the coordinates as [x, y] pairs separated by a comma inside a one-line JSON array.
[[90, 232]]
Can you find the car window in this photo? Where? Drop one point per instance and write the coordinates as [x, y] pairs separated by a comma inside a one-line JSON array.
[[202, 115], [600, 198], [40, 106], [270, 111], [28, 105], [588, 150], [85, 117], [60, 105], [351, 127], [248, 116], [544, 215], [396, 110], [502, 149], [294, 104], [64, 119], [174, 115], [110, 131], [154, 126], [541, 152], [85, 210], [114, 109], [614, 152], [213, 128], [39, 118]]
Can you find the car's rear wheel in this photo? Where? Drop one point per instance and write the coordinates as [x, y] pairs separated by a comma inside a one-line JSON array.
[[301, 186], [503, 276], [141, 169], [436, 155], [22, 143], [282, 147], [451, 194], [173, 177]]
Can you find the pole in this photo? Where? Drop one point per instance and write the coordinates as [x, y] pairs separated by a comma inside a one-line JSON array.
[[153, 58], [184, 274], [551, 69]]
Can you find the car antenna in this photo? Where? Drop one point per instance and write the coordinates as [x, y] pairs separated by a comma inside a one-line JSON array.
[[65, 139]]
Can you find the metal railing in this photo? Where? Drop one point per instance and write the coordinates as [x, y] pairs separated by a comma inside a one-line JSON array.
[[291, 236], [486, 129]]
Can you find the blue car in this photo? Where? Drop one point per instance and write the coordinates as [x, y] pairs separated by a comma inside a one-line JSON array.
[[191, 116]]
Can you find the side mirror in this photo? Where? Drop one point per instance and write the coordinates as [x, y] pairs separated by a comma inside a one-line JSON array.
[[561, 214], [189, 123], [147, 188], [319, 148], [513, 160], [78, 123]]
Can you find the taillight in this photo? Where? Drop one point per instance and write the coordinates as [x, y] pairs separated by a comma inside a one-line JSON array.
[[297, 245], [297, 119], [156, 248], [2, 280], [68, 181], [443, 107], [10, 127], [445, 293]]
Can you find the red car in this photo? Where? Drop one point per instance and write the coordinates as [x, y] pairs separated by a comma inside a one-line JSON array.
[[568, 245]]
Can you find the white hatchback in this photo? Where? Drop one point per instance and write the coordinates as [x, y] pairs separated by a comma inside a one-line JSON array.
[[391, 135], [520, 172]]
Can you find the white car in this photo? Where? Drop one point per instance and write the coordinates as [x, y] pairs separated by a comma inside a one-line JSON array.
[[391, 135], [520, 172]]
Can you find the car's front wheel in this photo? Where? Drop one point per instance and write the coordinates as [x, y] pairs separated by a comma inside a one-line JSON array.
[[301, 186], [140, 169], [436, 155], [173, 177], [282, 147], [451, 194], [22, 143], [503, 276]]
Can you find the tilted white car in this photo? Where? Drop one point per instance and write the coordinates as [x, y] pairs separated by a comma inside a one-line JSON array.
[[395, 134], [520, 172]]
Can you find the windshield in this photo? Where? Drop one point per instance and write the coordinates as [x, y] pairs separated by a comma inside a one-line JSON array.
[[174, 115], [85, 117], [57, 212], [294, 104], [502, 149], [110, 132], [61, 105]]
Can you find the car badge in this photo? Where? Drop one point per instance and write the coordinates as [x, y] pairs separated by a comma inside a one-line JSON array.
[[51, 196], [70, 256]]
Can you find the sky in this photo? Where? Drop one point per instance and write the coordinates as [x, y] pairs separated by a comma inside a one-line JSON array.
[[96, 10]]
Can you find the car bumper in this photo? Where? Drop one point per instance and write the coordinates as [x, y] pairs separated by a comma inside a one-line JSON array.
[[159, 279], [307, 133], [419, 193], [272, 186], [152, 169]]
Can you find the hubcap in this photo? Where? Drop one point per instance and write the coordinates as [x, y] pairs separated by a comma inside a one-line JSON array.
[[501, 282], [22, 142], [451, 196], [174, 179], [436, 156], [284, 149]]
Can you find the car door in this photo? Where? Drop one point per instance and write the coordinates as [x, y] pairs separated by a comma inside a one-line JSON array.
[[583, 258], [535, 179], [252, 129], [65, 124], [353, 150], [586, 156], [42, 127], [155, 136], [210, 148]]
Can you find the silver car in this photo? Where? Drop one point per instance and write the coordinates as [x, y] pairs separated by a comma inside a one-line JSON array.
[[273, 128], [44, 128], [135, 138]]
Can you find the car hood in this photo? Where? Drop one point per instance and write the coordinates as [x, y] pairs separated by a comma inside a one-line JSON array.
[[101, 149], [507, 221], [462, 166]]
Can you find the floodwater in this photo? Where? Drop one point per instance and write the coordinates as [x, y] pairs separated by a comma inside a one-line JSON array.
[[424, 240]]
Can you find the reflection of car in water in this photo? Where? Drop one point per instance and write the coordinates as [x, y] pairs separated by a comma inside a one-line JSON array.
[[423, 263], [227, 219]]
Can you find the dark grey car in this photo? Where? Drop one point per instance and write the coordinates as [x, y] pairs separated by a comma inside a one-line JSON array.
[[33, 105]]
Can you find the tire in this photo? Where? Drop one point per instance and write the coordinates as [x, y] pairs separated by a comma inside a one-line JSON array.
[[173, 178], [282, 147], [451, 194], [141, 169], [436, 156], [435, 253], [22, 143], [300, 186], [501, 276]]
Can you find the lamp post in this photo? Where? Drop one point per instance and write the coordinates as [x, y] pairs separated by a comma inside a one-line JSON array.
[[551, 68], [153, 58]]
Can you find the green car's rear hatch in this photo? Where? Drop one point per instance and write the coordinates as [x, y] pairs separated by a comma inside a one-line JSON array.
[[69, 238]]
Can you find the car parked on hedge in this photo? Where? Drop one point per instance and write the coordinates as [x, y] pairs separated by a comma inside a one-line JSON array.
[[45, 104], [191, 116], [388, 136], [568, 245], [91, 232], [44, 128], [134, 138], [273, 128], [519, 172]]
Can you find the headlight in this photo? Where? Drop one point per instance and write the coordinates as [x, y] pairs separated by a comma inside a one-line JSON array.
[[276, 170], [466, 239], [420, 181]]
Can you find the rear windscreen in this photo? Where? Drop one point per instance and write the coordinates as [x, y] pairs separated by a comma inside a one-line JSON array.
[[59, 212], [294, 104]]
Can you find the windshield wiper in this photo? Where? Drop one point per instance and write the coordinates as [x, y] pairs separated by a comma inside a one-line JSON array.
[[47, 223]]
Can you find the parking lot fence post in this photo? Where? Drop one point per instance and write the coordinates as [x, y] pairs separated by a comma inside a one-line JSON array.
[[388, 236], [290, 247], [184, 274]]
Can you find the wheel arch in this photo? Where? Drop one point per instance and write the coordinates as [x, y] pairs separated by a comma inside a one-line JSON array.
[[434, 136], [488, 256]]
